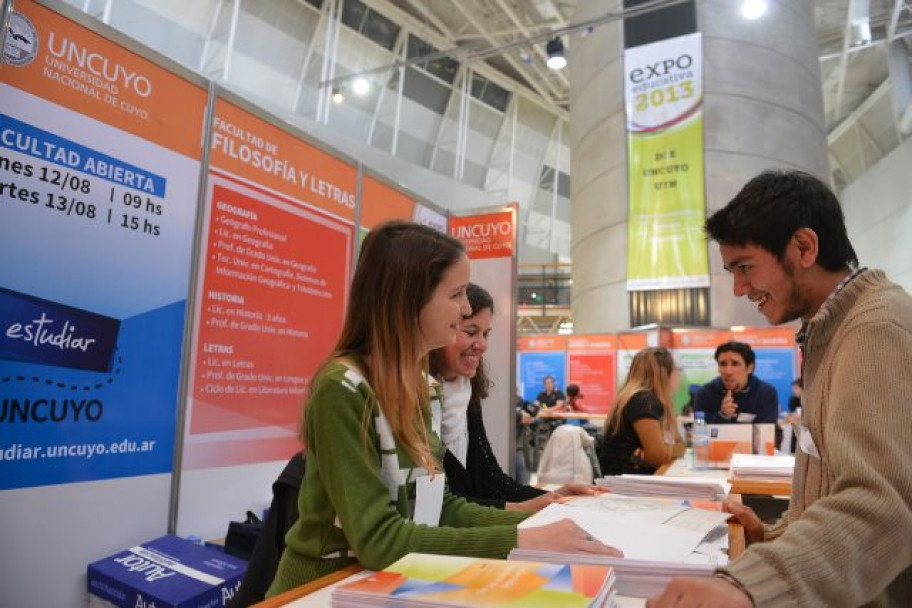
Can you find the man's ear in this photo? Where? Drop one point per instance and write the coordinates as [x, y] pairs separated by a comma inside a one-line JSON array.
[[804, 244]]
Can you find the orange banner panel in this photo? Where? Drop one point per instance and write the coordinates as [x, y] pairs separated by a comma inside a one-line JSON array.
[[631, 341], [251, 148], [380, 203], [542, 343], [593, 342], [65, 63], [486, 236], [766, 337], [700, 338]]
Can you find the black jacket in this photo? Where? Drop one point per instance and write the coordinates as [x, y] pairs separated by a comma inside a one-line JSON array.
[[482, 481], [271, 541]]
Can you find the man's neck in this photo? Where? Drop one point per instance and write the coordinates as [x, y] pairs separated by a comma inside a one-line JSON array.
[[819, 285]]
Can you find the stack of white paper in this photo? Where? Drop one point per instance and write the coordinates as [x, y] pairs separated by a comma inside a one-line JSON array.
[[695, 488], [660, 538], [756, 466]]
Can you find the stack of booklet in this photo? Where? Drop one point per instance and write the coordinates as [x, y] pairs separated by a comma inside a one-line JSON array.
[[445, 580], [696, 488], [756, 466], [660, 538]]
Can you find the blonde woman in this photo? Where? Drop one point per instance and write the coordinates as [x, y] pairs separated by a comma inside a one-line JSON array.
[[641, 434]]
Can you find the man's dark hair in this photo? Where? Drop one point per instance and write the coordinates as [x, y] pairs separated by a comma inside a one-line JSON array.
[[772, 206], [746, 352], [572, 390]]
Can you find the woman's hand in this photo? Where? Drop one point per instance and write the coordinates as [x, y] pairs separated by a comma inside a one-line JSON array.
[[753, 527], [533, 504], [578, 489], [563, 536]]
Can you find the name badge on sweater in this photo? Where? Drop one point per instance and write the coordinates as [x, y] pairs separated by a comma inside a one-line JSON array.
[[806, 442], [745, 417], [429, 499]]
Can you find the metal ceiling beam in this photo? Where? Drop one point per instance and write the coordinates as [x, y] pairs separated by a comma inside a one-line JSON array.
[[839, 130], [440, 41], [898, 6], [516, 65], [538, 48], [843, 60]]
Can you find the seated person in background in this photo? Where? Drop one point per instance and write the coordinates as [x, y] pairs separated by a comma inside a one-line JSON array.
[[469, 462], [795, 399], [737, 395], [576, 402], [551, 397], [641, 434]]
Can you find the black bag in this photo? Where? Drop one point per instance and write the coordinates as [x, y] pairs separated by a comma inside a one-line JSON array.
[[242, 536]]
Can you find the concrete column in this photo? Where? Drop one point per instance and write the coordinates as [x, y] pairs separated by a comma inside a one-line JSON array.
[[763, 109]]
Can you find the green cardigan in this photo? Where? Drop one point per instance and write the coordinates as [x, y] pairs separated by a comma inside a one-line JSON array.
[[358, 495]]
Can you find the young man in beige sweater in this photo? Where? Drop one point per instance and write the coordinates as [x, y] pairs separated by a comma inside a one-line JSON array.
[[846, 539]]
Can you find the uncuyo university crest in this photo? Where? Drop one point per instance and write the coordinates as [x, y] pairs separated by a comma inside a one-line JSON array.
[[21, 43]]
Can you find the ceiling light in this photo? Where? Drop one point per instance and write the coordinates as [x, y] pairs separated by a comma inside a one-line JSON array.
[[361, 86], [555, 50], [753, 9], [338, 97]]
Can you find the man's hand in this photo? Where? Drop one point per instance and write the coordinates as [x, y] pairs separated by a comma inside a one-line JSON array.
[[753, 527], [683, 592], [729, 408]]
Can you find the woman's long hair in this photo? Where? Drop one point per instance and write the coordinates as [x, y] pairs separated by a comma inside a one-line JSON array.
[[479, 300], [399, 267], [651, 371]]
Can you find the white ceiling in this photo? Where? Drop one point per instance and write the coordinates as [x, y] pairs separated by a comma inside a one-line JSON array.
[[855, 79]]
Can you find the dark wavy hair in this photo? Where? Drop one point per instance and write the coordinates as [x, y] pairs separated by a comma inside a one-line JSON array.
[[771, 207], [479, 300], [740, 348]]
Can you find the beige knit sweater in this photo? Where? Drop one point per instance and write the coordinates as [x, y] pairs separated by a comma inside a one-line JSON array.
[[846, 539]]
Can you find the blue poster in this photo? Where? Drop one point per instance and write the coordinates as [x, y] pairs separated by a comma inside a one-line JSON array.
[[534, 366], [776, 366], [97, 230]]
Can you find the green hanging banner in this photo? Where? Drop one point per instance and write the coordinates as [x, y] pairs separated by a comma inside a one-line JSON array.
[[663, 84]]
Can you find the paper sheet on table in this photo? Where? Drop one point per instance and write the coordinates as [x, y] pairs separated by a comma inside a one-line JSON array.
[[637, 538]]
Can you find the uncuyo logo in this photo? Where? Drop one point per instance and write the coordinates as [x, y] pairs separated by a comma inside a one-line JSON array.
[[21, 44]]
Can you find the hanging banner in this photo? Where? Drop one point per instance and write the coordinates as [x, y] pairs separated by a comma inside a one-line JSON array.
[[100, 154], [274, 266], [591, 362], [490, 241], [663, 91]]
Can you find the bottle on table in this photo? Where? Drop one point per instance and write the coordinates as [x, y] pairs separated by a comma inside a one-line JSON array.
[[700, 441]]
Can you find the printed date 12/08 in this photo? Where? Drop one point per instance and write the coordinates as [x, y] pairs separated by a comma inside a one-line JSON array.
[[65, 180]]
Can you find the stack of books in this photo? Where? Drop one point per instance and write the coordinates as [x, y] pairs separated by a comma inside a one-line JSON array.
[[635, 577], [423, 580], [755, 466], [692, 488]]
